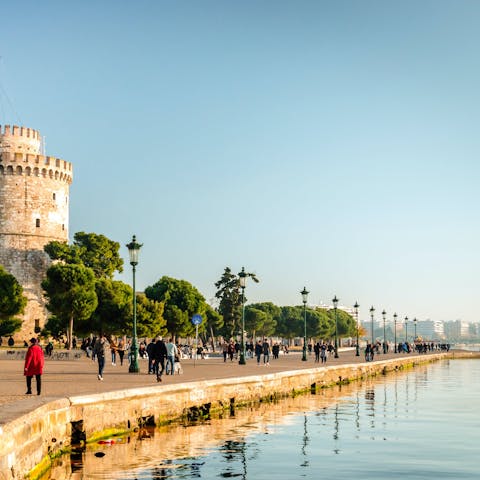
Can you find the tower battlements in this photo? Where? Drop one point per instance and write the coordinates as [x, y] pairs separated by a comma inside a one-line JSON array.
[[16, 163], [19, 139]]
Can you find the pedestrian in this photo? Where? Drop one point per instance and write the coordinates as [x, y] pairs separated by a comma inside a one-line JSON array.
[[316, 349], [323, 353], [172, 351], [258, 351], [121, 350], [34, 362], [231, 350], [150, 349], [159, 354], [225, 351], [113, 351], [99, 348], [266, 353]]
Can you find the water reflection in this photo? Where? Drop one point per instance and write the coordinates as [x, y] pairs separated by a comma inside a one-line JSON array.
[[366, 427]]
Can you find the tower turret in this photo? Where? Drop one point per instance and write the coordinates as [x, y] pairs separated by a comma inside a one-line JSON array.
[[34, 205]]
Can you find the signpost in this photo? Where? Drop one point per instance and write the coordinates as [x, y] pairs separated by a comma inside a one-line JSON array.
[[196, 320]]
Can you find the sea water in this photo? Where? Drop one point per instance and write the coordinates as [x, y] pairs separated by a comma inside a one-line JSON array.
[[419, 424]]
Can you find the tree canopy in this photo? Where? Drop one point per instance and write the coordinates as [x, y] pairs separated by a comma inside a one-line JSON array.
[[93, 250], [181, 301], [12, 303], [70, 291], [230, 298]]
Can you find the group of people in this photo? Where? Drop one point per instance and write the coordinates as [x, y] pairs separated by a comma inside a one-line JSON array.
[[162, 356], [231, 350]]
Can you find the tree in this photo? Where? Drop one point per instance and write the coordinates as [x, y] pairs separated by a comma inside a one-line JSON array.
[[150, 320], [290, 322], [230, 297], [12, 302], [213, 323], [346, 325], [262, 318], [90, 249], [182, 300], [114, 309], [70, 291]]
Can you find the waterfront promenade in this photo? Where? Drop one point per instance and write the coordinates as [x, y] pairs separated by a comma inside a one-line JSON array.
[[68, 378]]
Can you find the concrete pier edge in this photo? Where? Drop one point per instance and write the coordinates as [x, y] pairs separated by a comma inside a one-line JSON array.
[[31, 441]]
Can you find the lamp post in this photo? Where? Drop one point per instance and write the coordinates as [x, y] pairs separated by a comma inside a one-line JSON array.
[[304, 294], [372, 311], [384, 314], [395, 330], [415, 329], [357, 349], [335, 303], [406, 329], [242, 277], [133, 250]]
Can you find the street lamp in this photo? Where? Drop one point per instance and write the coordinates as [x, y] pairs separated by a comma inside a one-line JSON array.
[[415, 330], [304, 294], [406, 329], [395, 330], [357, 349], [384, 314], [372, 311], [133, 250], [242, 277], [335, 303]]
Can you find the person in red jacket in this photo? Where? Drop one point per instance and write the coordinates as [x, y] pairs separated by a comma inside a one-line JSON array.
[[34, 361]]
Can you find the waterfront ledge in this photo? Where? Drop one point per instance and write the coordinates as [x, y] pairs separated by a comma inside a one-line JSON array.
[[31, 440]]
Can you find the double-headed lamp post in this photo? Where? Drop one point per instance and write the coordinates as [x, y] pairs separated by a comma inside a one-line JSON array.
[[415, 329], [372, 311], [242, 278], [357, 348], [133, 250], [304, 294], [406, 329], [384, 315], [395, 331], [335, 303]]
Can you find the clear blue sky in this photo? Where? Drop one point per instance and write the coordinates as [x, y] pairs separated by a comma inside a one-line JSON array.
[[326, 144]]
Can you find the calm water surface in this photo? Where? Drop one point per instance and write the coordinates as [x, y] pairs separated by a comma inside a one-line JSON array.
[[423, 424]]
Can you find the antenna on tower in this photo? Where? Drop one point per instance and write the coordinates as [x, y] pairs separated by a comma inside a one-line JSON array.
[[3, 94]]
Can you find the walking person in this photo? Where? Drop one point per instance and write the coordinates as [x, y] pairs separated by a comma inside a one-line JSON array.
[[316, 349], [258, 351], [34, 362], [113, 351], [150, 350], [99, 348], [172, 351], [266, 353], [121, 350], [159, 354], [323, 353]]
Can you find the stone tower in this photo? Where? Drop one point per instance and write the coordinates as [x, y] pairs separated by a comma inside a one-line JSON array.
[[34, 204]]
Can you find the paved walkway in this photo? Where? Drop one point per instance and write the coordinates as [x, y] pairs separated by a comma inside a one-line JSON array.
[[67, 378]]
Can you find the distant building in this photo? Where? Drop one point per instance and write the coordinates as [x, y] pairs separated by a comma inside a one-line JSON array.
[[430, 329], [457, 329]]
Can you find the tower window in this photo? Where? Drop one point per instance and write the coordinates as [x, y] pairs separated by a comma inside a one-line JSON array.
[[54, 195], [63, 226], [37, 223]]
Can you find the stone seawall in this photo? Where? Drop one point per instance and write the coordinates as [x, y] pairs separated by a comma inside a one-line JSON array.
[[28, 442]]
